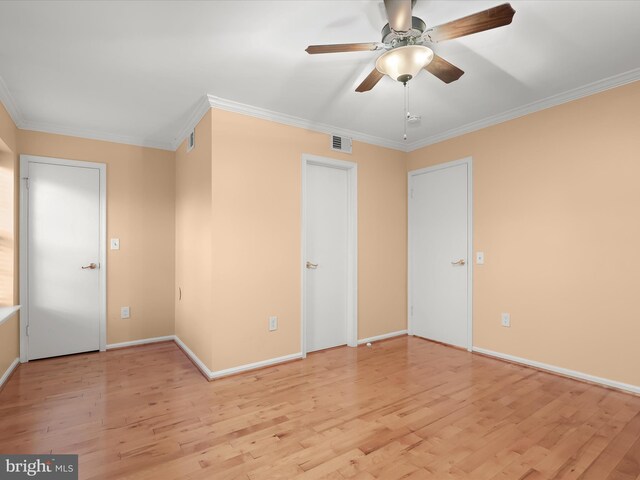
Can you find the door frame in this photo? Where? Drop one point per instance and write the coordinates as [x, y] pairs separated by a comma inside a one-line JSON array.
[[24, 252], [468, 161], [352, 250]]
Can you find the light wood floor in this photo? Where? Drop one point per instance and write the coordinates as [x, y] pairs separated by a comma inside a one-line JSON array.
[[406, 408]]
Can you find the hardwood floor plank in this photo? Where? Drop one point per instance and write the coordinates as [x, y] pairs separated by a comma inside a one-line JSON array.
[[403, 409]]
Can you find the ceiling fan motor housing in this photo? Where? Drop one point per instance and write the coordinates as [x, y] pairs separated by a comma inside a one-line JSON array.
[[402, 38]]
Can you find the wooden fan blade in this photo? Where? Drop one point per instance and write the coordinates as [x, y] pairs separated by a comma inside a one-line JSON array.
[[478, 22], [368, 83], [342, 47], [399, 14], [444, 70]]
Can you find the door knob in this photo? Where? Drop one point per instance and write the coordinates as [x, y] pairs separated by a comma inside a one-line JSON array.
[[459, 262], [312, 266], [91, 266]]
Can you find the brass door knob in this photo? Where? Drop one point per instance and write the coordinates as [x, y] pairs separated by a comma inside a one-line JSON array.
[[91, 266]]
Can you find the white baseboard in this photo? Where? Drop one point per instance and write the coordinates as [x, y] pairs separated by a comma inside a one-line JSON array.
[[7, 374], [562, 371], [233, 370], [194, 358], [253, 366], [142, 341], [384, 336]]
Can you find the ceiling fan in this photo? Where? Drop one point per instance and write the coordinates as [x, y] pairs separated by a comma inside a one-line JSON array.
[[406, 40]]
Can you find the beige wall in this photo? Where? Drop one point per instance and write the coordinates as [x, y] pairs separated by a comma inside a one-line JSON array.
[[557, 213], [193, 321], [256, 184], [8, 130], [7, 205], [140, 212], [9, 335], [556, 203], [148, 197]]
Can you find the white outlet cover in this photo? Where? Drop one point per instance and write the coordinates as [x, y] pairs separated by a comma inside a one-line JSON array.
[[124, 312], [480, 258], [115, 244], [506, 320], [273, 323]]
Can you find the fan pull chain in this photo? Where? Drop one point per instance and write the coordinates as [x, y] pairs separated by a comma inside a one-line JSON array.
[[406, 109]]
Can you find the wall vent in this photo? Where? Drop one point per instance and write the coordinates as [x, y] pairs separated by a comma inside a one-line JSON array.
[[340, 144], [191, 141]]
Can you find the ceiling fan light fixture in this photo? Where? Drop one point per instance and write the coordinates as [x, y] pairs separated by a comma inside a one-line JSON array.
[[404, 63]]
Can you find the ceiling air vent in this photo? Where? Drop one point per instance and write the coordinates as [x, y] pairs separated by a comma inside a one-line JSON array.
[[340, 144]]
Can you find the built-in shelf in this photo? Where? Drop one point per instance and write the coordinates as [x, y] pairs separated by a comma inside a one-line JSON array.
[[7, 312]]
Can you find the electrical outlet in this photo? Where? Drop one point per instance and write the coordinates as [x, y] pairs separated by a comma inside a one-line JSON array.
[[506, 320], [115, 244], [273, 323], [124, 312]]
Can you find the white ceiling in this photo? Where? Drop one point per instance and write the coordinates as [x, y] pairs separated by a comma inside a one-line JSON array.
[[136, 70]]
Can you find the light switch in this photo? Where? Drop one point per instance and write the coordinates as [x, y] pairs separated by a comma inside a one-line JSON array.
[[480, 258], [115, 244], [124, 312]]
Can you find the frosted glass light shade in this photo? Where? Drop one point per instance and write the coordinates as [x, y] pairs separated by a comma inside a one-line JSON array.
[[404, 63]]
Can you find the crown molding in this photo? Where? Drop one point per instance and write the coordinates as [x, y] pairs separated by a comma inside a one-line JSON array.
[[211, 101], [553, 101], [94, 135], [285, 119], [20, 122], [201, 108], [10, 104]]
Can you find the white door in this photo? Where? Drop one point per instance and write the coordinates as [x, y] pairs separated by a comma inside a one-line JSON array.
[[327, 223], [438, 256], [63, 241]]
